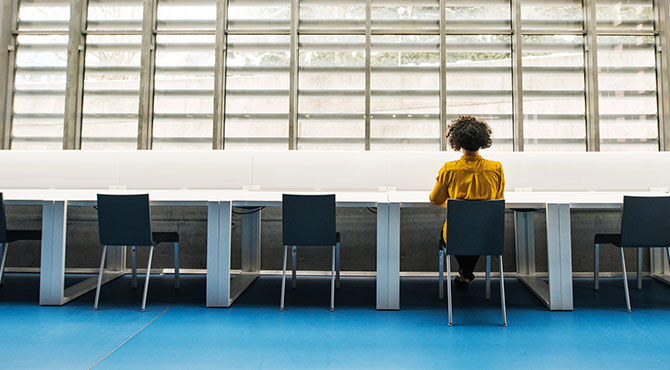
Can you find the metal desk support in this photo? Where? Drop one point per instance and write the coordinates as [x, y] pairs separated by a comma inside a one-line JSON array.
[[557, 293], [388, 256], [52, 267], [222, 288]]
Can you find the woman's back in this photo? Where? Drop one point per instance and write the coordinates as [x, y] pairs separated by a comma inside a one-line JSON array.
[[471, 177]]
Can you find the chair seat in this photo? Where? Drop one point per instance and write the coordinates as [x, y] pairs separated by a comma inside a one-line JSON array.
[[614, 239], [16, 235], [168, 237]]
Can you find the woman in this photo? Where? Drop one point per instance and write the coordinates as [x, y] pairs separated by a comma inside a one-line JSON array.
[[471, 177]]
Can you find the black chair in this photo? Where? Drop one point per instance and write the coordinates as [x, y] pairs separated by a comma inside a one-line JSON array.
[[309, 220], [9, 236], [476, 228], [125, 220], [645, 223]]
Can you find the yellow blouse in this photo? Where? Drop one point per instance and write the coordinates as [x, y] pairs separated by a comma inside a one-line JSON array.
[[471, 177]]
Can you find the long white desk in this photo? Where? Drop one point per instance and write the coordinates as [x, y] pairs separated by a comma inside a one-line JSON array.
[[556, 293], [222, 287]]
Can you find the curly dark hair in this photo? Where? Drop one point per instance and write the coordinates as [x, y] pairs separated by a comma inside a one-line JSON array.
[[469, 133]]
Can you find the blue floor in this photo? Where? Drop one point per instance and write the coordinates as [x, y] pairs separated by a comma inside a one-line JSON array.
[[177, 331]]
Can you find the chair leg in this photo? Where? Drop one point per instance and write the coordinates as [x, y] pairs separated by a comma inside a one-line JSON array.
[[4, 247], [337, 265], [283, 280], [502, 293], [294, 258], [332, 282], [488, 278], [448, 262], [97, 289], [440, 291], [133, 263], [625, 280], [146, 281], [176, 265], [639, 269], [596, 267]]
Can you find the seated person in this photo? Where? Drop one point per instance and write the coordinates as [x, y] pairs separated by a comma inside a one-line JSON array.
[[471, 177]]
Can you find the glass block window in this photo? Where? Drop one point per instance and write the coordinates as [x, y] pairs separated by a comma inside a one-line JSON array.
[[553, 93], [627, 84], [405, 92], [479, 82], [331, 92]]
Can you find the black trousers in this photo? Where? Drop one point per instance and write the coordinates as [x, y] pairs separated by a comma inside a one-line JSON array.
[[466, 263]]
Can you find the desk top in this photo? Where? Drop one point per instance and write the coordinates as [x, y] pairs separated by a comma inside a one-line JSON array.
[[87, 197], [534, 200], [513, 200]]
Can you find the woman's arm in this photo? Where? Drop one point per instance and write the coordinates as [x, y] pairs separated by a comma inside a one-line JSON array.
[[440, 192], [501, 186]]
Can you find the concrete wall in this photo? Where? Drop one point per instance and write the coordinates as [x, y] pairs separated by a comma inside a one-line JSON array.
[[419, 233]]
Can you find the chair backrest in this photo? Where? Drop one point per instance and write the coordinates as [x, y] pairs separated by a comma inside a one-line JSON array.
[[645, 222], [3, 221], [475, 227], [308, 219], [124, 219]]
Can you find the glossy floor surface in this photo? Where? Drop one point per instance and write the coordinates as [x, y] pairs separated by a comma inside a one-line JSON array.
[[177, 331]]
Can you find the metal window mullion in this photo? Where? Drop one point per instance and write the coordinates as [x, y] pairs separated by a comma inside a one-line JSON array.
[[663, 73], [443, 76], [74, 88], [368, 69], [147, 78], [221, 49], [293, 78], [591, 77], [517, 78], [8, 21]]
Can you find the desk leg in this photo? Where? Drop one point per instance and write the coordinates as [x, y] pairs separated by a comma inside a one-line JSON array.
[[219, 219], [659, 265], [388, 256], [524, 242], [116, 259], [559, 257], [525, 255], [251, 255], [52, 266]]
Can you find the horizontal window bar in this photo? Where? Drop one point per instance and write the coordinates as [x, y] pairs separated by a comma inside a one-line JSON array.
[[193, 116]]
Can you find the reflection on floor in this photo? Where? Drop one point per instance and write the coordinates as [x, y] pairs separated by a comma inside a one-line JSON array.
[[178, 331]]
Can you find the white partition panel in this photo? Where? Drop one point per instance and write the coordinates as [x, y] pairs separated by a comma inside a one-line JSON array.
[[184, 169], [586, 171], [57, 169], [313, 170], [416, 170], [326, 171]]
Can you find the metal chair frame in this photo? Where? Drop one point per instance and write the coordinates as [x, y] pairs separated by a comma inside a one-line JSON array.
[[647, 219], [492, 216], [311, 209], [143, 202]]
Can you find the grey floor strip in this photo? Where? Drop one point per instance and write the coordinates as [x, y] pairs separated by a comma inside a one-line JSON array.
[[130, 337]]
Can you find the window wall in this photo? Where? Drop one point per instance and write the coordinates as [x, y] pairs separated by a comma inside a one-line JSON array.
[[111, 74], [38, 101], [559, 75], [184, 74], [258, 55]]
